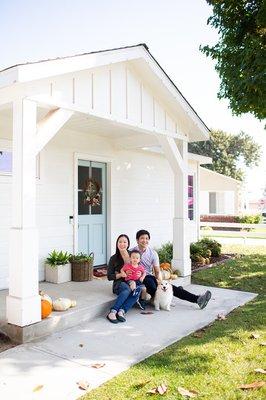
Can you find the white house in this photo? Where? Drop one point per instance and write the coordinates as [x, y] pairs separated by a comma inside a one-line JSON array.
[[219, 194], [93, 120]]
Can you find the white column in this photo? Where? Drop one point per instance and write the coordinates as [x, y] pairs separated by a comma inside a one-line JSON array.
[[181, 254], [23, 302], [178, 160]]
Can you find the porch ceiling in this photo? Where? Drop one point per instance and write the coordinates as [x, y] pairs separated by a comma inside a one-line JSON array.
[[121, 136]]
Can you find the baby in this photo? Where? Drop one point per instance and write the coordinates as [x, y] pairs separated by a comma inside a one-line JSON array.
[[138, 273]]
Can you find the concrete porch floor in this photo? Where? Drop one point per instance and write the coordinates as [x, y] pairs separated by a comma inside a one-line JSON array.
[[61, 360], [93, 298]]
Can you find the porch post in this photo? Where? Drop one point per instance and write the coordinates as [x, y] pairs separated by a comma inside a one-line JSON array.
[[176, 153], [181, 255], [23, 302]]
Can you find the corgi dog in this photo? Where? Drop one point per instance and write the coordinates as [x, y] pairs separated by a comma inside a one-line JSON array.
[[163, 296]]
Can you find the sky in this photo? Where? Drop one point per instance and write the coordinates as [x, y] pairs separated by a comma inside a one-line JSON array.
[[173, 30]]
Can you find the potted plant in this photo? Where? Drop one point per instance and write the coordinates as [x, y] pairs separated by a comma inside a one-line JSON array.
[[81, 267], [58, 267]]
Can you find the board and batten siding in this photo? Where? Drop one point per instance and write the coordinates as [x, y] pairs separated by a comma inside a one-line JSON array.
[[113, 91], [142, 195]]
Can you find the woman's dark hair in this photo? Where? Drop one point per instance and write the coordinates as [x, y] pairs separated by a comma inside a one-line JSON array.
[[117, 252], [142, 232]]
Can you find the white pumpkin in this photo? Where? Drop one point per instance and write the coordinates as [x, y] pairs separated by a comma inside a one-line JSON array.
[[62, 304], [45, 296], [165, 274]]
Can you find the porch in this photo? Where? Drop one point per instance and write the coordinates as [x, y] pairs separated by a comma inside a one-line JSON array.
[[93, 298], [115, 107]]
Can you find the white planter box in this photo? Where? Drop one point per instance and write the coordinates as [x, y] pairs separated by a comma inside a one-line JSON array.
[[58, 274]]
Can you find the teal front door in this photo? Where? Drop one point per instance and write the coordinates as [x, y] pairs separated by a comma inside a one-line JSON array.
[[92, 209]]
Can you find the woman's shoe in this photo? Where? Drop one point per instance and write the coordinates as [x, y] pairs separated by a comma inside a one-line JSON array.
[[112, 320], [121, 316]]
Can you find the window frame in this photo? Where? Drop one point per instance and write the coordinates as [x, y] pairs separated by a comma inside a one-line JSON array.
[[193, 186]]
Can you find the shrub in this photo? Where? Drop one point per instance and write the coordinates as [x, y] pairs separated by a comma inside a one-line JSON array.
[[165, 252], [249, 219], [212, 245], [204, 248]]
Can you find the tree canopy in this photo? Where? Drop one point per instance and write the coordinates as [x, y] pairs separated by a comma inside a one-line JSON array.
[[240, 53], [228, 151]]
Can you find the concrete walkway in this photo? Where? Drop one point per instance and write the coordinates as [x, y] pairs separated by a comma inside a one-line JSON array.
[[59, 361]]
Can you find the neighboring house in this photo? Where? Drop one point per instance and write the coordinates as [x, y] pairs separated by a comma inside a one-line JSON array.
[[219, 194], [94, 122]]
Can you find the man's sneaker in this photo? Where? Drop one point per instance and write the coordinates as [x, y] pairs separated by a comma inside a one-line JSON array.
[[203, 300], [141, 304]]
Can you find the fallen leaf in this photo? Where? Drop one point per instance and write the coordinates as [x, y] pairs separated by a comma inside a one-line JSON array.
[[260, 370], [253, 385], [37, 388], [161, 389], [141, 384], [98, 365], [81, 345], [84, 385], [254, 336], [186, 392], [152, 391], [198, 334], [147, 312], [221, 317], [263, 344]]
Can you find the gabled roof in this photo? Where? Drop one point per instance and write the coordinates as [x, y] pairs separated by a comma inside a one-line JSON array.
[[217, 174], [26, 72]]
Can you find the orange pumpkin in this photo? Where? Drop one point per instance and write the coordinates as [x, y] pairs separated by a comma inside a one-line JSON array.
[[165, 266], [46, 308]]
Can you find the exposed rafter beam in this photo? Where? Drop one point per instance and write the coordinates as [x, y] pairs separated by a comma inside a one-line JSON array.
[[172, 153], [50, 125]]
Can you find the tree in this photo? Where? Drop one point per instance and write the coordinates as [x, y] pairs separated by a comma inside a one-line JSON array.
[[240, 53], [227, 151]]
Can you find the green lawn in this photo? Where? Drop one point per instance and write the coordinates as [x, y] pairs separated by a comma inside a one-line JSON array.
[[218, 362]]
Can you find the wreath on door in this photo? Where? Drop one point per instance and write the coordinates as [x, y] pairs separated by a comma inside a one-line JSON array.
[[92, 192]]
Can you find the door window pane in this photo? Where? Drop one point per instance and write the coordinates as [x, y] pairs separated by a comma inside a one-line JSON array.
[[83, 174], [84, 208], [96, 174]]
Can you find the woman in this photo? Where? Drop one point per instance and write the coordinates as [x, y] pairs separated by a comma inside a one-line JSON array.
[[125, 297]]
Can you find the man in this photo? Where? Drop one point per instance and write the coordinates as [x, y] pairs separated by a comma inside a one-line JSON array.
[[150, 260]]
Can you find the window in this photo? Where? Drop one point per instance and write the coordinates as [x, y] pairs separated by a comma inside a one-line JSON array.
[[5, 162], [212, 203], [190, 197], [217, 203]]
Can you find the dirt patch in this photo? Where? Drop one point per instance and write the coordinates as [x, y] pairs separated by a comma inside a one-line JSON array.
[[5, 343], [213, 262]]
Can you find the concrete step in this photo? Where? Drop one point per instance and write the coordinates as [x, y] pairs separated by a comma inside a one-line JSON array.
[[94, 298]]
